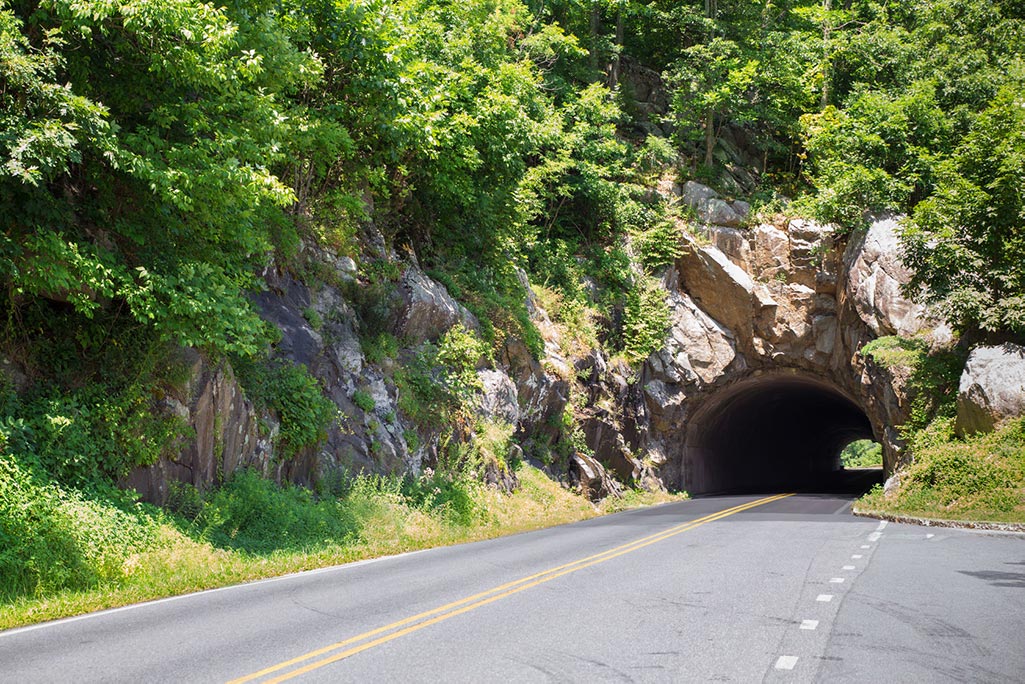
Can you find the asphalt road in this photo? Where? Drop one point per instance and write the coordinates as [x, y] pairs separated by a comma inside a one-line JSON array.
[[727, 588]]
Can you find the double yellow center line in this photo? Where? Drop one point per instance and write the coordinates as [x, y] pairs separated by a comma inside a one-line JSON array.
[[362, 642]]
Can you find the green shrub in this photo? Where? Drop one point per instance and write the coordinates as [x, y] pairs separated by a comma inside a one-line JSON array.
[[659, 246], [54, 538], [313, 318], [93, 434], [645, 319], [255, 515], [295, 396], [656, 154], [978, 477], [891, 351], [377, 348], [364, 400]]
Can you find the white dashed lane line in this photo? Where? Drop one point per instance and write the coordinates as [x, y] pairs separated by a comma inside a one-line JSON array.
[[786, 662], [810, 644]]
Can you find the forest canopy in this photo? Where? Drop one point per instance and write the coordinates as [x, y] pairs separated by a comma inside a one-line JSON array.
[[157, 155]]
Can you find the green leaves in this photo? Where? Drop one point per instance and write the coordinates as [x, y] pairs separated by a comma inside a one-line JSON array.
[[966, 243]]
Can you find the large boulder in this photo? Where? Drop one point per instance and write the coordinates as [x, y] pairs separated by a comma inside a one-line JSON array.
[[498, 399], [733, 242], [591, 478], [770, 252], [875, 278], [428, 311], [722, 289], [697, 350], [992, 388], [712, 209]]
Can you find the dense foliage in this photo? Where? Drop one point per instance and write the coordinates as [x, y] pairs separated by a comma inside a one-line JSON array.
[[157, 156]]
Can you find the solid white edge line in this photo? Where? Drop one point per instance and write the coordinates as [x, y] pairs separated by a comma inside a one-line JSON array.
[[280, 578], [205, 592]]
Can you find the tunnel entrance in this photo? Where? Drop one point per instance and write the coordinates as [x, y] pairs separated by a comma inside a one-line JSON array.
[[772, 433]]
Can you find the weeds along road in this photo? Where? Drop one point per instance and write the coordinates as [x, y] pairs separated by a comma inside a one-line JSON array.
[[729, 588]]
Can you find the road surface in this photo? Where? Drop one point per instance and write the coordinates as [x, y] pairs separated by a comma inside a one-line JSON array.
[[728, 588]]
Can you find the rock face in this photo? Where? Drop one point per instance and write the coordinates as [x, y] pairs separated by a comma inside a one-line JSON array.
[[763, 318], [992, 388], [712, 209], [875, 278], [428, 310], [781, 309], [226, 428]]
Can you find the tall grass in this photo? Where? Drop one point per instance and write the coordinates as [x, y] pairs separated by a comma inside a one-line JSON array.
[[66, 551], [980, 477]]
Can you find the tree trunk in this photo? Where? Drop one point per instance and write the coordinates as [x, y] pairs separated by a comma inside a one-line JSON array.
[[709, 136], [826, 30], [614, 66], [595, 28]]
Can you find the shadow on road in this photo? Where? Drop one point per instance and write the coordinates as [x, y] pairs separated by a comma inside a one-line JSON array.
[[1011, 580], [851, 482]]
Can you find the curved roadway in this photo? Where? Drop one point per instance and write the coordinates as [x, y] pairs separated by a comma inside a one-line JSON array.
[[729, 588]]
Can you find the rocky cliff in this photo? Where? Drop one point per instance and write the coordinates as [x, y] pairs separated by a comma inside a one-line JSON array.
[[762, 355]]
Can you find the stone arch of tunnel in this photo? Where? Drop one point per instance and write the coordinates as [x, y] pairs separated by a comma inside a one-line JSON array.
[[771, 432]]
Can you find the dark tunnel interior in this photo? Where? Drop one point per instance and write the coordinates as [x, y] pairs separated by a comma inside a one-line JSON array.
[[771, 434]]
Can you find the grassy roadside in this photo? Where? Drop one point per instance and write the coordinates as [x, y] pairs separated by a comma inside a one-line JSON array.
[[67, 552], [979, 478]]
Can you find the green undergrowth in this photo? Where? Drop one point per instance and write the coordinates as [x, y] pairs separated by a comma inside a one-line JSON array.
[[971, 477], [979, 477], [66, 550]]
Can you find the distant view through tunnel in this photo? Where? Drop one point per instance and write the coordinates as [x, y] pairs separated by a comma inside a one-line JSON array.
[[774, 432]]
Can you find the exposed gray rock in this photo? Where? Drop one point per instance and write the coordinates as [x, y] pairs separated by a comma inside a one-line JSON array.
[[722, 289], [710, 208], [741, 209], [428, 311], [770, 253], [876, 277], [698, 348], [283, 304], [541, 397], [14, 373], [695, 194], [226, 432], [811, 245], [499, 398], [592, 479], [718, 213], [992, 388], [733, 242], [666, 405]]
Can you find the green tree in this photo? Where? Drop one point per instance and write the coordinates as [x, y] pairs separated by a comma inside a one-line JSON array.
[[966, 242]]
